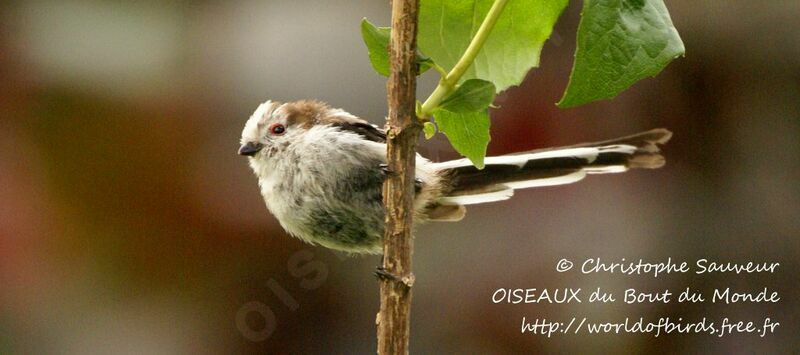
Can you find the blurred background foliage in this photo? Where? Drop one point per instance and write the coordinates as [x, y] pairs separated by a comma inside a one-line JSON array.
[[129, 225]]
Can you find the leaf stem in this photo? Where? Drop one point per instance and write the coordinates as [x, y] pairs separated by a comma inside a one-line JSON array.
[[448, 83]]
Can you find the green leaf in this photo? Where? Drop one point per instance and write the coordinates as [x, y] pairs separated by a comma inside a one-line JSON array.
[[429, 129], [425, 63], [619, 42], [511, 50], [377, 41], [472, 95], [468, 132]]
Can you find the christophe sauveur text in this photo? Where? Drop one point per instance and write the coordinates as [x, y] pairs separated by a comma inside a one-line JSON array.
[[656, 269]]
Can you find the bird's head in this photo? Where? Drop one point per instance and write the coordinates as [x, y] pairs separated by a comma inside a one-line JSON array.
[[274, 126]]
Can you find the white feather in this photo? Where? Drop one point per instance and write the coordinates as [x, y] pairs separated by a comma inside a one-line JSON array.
[[478, 198], [558, 180], [619, 148], [606, 169], [589, 154], [251, 133]]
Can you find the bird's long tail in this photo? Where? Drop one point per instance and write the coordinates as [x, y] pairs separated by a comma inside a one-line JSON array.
[[547, 167]]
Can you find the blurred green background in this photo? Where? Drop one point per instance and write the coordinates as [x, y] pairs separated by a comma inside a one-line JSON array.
[[128, 224]]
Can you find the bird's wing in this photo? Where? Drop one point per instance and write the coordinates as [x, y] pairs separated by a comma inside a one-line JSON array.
[[364, 129]]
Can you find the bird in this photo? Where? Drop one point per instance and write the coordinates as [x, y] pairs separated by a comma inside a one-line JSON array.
[[320, 171]]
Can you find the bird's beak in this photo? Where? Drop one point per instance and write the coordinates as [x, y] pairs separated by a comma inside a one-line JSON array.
[[250, 148]]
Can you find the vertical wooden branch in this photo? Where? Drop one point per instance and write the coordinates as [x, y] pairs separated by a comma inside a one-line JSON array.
[[403, 128]]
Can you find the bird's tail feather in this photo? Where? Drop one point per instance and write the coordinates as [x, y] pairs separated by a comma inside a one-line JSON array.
[[548, 167]]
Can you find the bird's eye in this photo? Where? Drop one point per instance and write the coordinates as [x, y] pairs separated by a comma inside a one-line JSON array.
[[277, 129]]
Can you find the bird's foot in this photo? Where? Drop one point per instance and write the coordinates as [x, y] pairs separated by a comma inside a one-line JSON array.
[[382, 274], [417, 185], [384, 168], [386, 171]]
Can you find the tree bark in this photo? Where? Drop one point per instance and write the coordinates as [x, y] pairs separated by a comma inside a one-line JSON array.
[[403, 129]]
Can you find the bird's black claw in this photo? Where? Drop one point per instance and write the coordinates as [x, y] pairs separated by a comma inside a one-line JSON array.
[[385, 171], [384, 168], [382, 274]]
